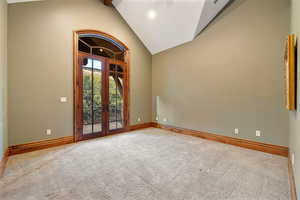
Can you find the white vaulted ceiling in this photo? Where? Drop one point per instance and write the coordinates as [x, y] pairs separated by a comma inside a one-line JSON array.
[[163, 24]]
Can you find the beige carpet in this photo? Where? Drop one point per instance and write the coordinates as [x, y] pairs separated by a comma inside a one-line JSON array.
[[149, 164]]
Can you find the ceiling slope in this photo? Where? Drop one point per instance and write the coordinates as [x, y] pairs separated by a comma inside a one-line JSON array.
[[163, 24]]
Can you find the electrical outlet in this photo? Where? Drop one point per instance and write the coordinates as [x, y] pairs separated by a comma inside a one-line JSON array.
[[165, 119], [236, 131], [257, 133], [48, 131], [139, 119]]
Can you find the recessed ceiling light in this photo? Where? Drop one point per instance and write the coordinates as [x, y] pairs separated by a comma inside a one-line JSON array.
[[151, 14]]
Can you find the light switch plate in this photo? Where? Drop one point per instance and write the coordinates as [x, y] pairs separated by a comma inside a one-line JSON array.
[[63, 99]]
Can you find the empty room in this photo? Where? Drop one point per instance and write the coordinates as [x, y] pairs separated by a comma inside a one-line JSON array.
[[149, 100]]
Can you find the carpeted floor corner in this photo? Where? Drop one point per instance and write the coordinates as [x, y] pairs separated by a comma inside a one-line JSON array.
[[149, 164]]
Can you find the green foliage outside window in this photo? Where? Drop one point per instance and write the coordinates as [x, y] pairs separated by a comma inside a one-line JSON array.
[[115, 99]]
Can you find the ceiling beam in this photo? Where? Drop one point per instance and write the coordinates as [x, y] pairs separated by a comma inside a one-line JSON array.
[[107, 2]]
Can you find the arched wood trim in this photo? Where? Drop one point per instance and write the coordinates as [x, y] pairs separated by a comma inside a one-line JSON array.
[[76, 35], [90, 31]]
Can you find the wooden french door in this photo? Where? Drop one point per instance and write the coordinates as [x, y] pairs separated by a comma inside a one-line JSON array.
[[101, 96]]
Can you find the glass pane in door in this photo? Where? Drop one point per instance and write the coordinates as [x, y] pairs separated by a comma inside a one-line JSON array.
[[87, 96], [116, 88], [97, 96], [92, 96]]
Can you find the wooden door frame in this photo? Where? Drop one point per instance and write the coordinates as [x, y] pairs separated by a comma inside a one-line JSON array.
[[76, 128]]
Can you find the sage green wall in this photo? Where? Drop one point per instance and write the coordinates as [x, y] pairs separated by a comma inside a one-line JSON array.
[[295, 115], [41, 67], [230, 76], [3, 77]]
